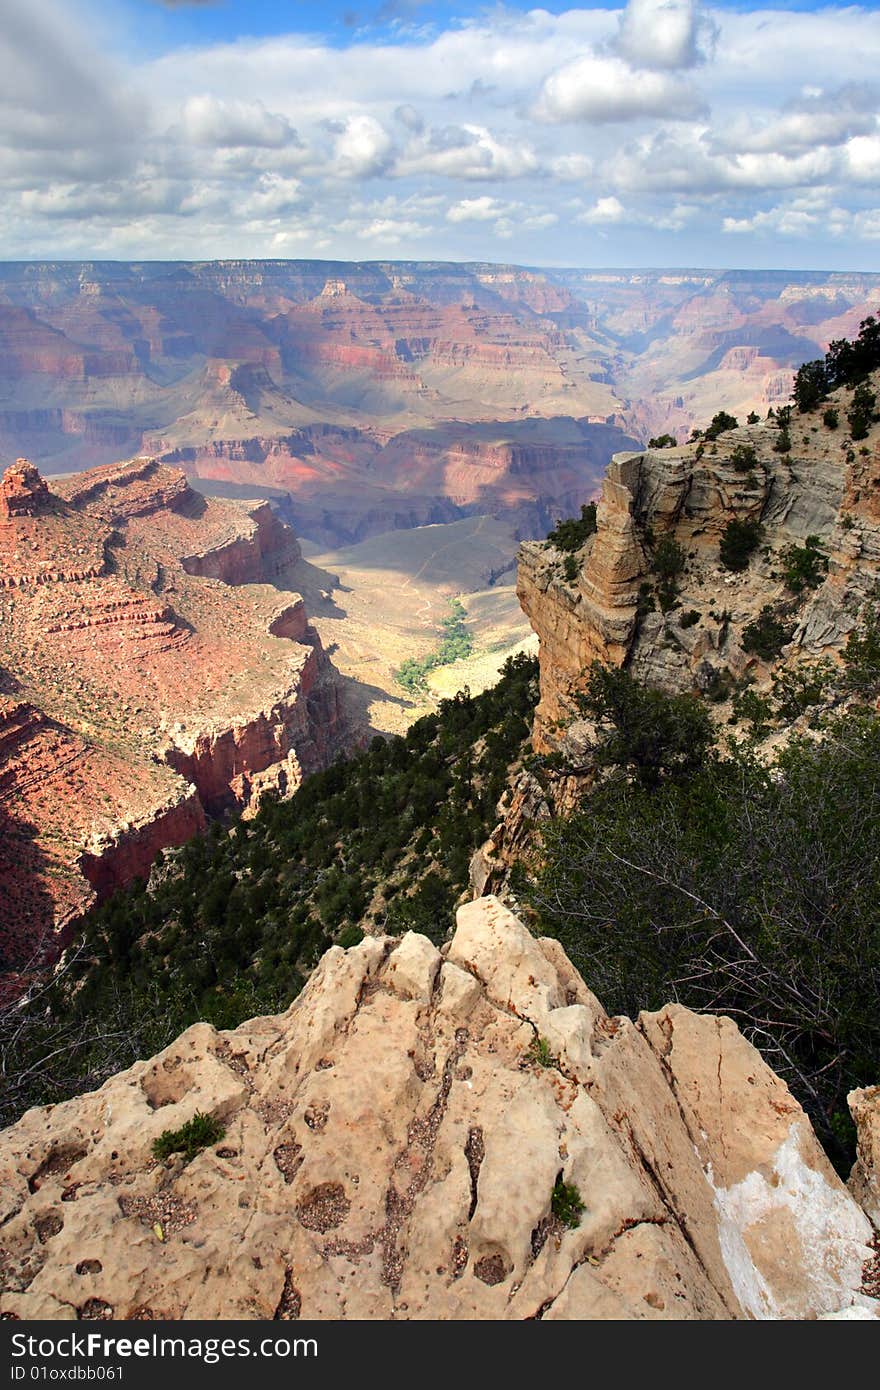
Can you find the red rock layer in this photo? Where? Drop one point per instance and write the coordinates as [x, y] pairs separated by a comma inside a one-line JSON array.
[[158, 675]]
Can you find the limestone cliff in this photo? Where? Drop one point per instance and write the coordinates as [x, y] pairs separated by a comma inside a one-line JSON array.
[[392, 1148], [825, 486]]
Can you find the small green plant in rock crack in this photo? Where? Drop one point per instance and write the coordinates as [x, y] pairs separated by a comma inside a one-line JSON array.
[[197, 1134], [566, 1204], [541, 1053]]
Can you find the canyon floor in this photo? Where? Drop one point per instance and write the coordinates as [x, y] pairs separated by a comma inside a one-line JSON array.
[[393, 592]]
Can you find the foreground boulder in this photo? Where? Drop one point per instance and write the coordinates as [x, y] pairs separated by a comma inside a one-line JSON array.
[[392, 1147]]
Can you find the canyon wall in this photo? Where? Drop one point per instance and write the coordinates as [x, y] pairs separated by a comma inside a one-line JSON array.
[[158, 666], [396, 394]]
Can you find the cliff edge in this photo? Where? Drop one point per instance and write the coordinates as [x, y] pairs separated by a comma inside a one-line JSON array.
[[455, 1133]]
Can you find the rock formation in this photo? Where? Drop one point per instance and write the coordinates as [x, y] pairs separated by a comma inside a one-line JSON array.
[[395, 393], [823, 487], [392, 1148], [157, 665]]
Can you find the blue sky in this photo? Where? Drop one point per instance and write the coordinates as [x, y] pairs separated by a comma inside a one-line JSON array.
[[651, 132]]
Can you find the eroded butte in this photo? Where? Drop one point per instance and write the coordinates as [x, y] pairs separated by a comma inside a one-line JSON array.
[[157, 666]]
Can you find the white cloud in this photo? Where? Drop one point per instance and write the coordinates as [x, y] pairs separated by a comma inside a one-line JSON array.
[[863, 158], [604, 212], [690, 162], [210, 120], [483, 209], [363, 148], [265, 144], [665, 34], [598, 89], [60, 98], [466, 152], [571, 168]]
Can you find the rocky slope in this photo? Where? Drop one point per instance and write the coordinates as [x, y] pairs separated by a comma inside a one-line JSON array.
[[157, 665], [824, 487], [391, 1150]]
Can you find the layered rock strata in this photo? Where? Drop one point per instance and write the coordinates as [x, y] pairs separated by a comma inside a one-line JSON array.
[[823, 487], [392, 1147], [157, 666]]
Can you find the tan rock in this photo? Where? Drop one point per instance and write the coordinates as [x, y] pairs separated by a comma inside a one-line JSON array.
[[392, 1145], [864, 1180]]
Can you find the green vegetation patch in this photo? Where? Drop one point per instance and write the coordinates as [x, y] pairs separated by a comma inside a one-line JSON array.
[[566, 1204], [571, 534], [457, 642], [804, 566], [735, 885], [767, 634], [198, 1133], [739, 540]]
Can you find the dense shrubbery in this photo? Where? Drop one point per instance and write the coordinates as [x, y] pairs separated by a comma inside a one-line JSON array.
[[743, 458], [457, 642], [739, 540], [804, 566], [570, 535], [767, 634], [737, 888], [720, 423], [844, 364], [651, 734], [862, 413], [668, 562], [234, 920]]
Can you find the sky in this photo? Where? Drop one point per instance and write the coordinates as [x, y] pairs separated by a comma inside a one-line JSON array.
[[659, 133]]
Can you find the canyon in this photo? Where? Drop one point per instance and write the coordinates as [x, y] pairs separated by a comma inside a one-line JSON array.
[[157, 667], [369, 397]]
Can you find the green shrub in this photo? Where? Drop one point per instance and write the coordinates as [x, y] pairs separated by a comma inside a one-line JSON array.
[[198, 1133], [861, 413], [804, 566], [753, 418], [861, 655], [689, 619], [831, 417], [668, 562], [571, 534], [754, 710], [571, 569], [663, 441], [720, 424], [847, 363], [782, 443], [798, 688], [743, 458], [644, 731], [349, 936], [744, 889], [566, 1204], [810, 385], [541, 1053], [767, 635], [739, 540]]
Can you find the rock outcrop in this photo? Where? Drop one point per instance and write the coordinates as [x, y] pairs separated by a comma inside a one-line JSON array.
[[392, 1148], [158, 665], [608, 612], [864, 1180]]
